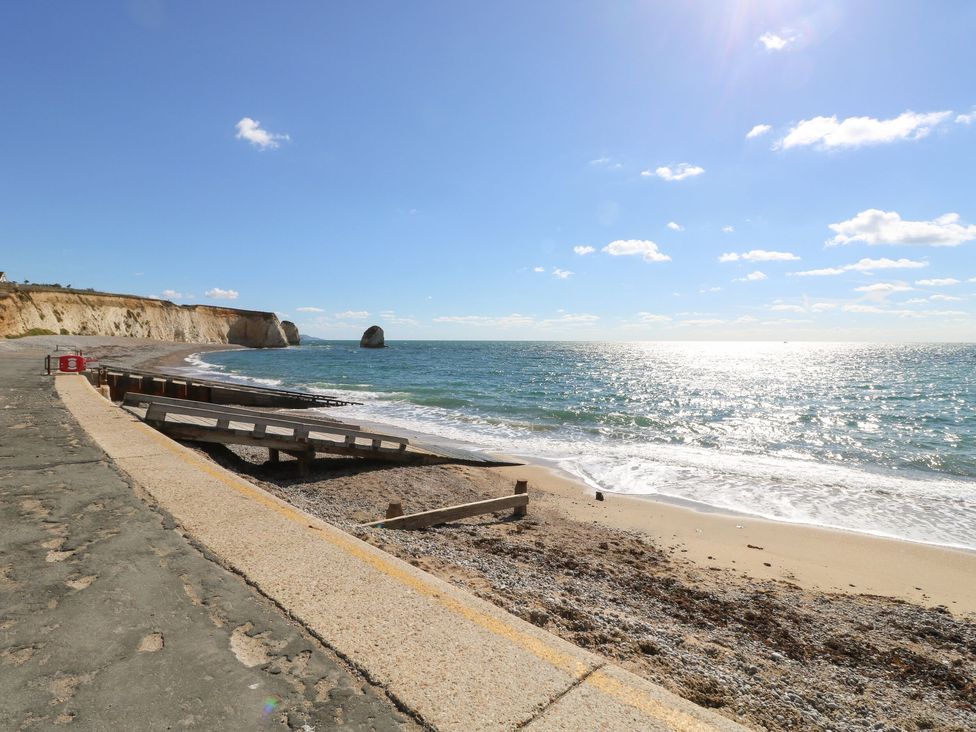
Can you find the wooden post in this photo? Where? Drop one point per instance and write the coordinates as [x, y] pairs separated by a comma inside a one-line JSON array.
[[521, 486], [305, 463], [395, 509], [273, 455]]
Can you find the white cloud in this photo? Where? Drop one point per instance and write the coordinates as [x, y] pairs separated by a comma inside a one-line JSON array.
[[945, 282], [965, 119], [786, 321], [728, 229], [825, 272], [583, 250], [219, 294], [309, 309], [776, 41], [759, 255], [875, 310], [538, 269], [605, 162], [503, 321], [785, 308], [871, 309], [675, 226], [758, 131], [353, 314], [702, 323], [874, 226], [863, 265], [574, 318], [562, 274], [517, 320], [391, 318], [678, 172], [250, 130], [174, 295], [631, 247], [858, 308], [819, 307], [881, 290], [827, 133], [706, 290], [756, 276], [887, 287], [653, 318], [945, 298]]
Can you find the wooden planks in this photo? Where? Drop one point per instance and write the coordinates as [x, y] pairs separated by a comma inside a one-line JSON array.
[[300, 430], [453, 513], [230, 425], [136, 399]]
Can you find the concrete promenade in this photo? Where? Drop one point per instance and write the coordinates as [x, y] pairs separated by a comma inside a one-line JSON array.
[[453, 661], [111, 620]]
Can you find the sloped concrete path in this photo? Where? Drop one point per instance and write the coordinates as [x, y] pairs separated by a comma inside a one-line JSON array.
[[456, 662], [111, 620]]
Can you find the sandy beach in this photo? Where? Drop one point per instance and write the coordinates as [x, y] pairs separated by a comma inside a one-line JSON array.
[[784, 626]]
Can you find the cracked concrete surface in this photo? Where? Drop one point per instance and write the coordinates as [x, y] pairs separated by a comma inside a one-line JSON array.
[[111, 619]]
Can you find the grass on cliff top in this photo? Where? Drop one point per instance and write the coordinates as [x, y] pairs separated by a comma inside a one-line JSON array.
[[34, 332]]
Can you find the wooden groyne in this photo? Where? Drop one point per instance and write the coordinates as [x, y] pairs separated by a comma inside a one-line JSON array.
[[122, 381]]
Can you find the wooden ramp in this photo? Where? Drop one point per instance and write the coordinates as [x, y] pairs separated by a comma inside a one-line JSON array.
[[297, 435]]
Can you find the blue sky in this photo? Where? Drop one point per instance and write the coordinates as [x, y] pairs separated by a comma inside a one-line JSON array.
[[563, 170]]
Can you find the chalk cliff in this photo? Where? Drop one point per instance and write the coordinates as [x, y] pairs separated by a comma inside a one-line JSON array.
[[78, 312], [291, 333]]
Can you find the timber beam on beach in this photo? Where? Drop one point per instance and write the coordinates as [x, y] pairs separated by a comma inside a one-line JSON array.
[[422, 520], [122, 381]]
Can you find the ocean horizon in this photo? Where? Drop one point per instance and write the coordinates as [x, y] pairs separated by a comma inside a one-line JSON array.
[[877, 438]]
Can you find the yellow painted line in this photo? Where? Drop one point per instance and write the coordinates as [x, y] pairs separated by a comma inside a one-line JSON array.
[[678, 720], [629, 695]]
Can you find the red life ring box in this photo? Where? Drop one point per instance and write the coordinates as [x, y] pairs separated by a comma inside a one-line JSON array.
[[71, 364]]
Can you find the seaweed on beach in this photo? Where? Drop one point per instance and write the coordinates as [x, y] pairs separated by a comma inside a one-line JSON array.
[[767, 653]]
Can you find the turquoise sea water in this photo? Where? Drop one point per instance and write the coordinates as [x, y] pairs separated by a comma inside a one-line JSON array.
[[869, 437]]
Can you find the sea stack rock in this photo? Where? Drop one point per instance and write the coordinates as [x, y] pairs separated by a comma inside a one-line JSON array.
[[372, 338], [291, 333]]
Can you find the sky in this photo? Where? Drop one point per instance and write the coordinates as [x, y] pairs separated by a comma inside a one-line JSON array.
[[507, 170]]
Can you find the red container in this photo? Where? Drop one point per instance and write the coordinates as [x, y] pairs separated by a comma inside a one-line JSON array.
[[71, 364]]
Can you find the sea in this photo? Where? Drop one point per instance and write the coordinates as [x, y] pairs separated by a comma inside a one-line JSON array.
[[872, 438]]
